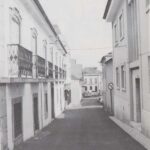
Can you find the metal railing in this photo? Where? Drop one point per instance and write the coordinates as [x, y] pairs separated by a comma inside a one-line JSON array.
[[50, 69], [41, 66], [20, 61]]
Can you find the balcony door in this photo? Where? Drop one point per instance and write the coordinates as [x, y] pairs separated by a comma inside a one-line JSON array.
[[34, 51]]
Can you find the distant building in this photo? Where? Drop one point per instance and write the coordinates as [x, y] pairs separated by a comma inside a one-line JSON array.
[[76, 80], [91, 81], [107, 80]]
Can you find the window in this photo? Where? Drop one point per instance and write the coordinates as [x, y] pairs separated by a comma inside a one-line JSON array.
[[95, 80], [46, 106], [95, 88], [115, 34], [15, 26], [134, 32], [34, 41], [85, 88], [56, 58], [117, 78], [45, 48], [90, 80], [85, 80], [34, 50], [52, 54], [123, 77], [149, 70], [121, 25], [90, 87]]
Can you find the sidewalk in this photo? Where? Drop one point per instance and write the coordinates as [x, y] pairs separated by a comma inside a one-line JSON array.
[[133, 133]]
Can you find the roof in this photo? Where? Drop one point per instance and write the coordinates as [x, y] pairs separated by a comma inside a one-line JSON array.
[[49, 23], [73, 77], [111, 8], [107, 8], [106, 58], [91, 71]]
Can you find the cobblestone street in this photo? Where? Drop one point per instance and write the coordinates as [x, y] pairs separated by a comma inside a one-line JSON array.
[[86, 127]]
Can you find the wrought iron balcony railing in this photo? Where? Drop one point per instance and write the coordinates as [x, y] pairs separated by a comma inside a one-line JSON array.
[[50, 69], [20, 61], [64, 74], [60, 73], [56, 72], [41, 69]]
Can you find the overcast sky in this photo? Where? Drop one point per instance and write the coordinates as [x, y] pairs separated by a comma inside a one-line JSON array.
[[86, 33]]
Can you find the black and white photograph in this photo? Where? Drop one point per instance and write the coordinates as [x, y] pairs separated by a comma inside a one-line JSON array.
[[74, 74]]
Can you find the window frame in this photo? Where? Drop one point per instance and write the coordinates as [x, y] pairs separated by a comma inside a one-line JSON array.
[[96, 81], [118, 78], [116, 34], [149, 71], [91, 88], [121, 26], [15, 17], [123, 78]]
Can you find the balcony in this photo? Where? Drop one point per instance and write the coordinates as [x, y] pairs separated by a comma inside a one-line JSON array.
[[60, 73], [41, 66], [20, 61], [56, 72], [64, 74], [50, 70]]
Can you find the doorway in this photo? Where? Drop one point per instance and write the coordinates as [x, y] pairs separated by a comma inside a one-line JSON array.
[[17, 120], [35, 112], [52, 100], [136, 97], [138, 100]]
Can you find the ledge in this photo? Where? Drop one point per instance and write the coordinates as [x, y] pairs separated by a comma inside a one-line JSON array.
[[134, 133], [24, 80], [134, 64]]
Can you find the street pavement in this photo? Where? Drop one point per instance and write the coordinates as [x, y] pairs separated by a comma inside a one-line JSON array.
[[84, 127]]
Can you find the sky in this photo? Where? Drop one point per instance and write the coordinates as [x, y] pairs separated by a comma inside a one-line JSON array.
[[87, 35]]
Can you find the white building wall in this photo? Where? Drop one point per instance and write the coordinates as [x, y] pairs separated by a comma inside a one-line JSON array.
[[144, 17], [76, 92], [30, 18], [120, 57]]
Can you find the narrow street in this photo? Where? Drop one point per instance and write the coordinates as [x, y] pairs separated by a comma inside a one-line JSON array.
[[86, 127]]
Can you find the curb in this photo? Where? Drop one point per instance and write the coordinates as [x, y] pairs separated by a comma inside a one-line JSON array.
[[138, 136]]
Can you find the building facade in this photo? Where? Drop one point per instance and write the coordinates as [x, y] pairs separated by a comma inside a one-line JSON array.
[[76, 80], [107, 81], [32, 71], [130, 24], [91, 81]]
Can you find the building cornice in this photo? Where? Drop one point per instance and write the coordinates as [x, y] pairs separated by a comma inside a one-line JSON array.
[[49, 23], [111, 9], [107, 8]]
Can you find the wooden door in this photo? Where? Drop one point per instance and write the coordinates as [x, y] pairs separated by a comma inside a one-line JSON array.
[[35, 113]]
